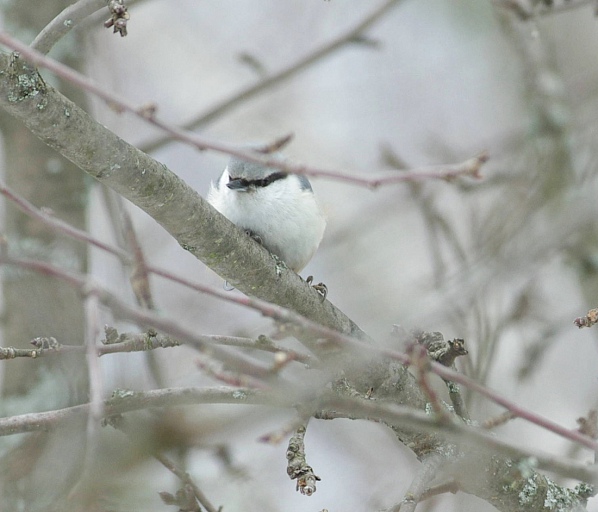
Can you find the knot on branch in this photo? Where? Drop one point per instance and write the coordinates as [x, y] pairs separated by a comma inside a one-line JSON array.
[[443, 351], [297, 467]]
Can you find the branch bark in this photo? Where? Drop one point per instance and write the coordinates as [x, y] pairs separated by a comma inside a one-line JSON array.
[[194, 224]]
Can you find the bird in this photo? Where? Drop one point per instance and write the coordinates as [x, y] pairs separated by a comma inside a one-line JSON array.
[[277, 209]]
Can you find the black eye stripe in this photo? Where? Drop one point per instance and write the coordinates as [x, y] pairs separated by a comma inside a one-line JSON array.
[[263, 182]]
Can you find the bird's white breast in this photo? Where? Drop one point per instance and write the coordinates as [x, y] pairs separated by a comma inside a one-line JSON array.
[[286, 217]]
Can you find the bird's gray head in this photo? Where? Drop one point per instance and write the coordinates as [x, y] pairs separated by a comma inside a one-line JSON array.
[[244, 176], [250, 171]]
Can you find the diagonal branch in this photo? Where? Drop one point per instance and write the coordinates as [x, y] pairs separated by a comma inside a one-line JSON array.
[[470, 167], [194, 224], [350, 36]]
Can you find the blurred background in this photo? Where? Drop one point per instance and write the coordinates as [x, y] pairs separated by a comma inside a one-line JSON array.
[[506, 262]]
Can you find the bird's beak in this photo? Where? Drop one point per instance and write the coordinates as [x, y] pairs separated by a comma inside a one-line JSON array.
[[237, 185]]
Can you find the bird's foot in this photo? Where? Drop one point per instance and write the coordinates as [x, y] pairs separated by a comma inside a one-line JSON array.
[[256, 237], [321, 288]]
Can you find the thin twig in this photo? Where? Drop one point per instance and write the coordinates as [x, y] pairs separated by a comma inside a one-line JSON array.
[[119, 423], [96, 396], [64, 22], [426, 473], [286, 316], [59, 225], [334, 406], [186, 478], [422, 365], [145, 317], [348, 37], [470, 167], [496, 421]]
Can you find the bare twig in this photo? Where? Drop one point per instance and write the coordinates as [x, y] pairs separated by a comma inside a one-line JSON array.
[[267, 345], [422, 365], [64, 23], [127, 342], [284, 315], [96, 392], [143, 341], [451, 486], [139, 276], [280, 434], [242, 380], [348, 37], [416, 490], [496, 421], [336, 407], [119, 423], [146, 317], [470, 167], [59, 225]]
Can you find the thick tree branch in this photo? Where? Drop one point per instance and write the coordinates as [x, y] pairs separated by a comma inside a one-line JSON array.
[[194, 224]]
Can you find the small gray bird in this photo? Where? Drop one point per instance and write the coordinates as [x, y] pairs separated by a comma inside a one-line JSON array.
[[278, 209]]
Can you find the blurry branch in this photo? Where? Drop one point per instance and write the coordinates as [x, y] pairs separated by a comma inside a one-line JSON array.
[[475, 438], [152, 340], [251, 368], [351, 36], [470, 168], [422, 367], [69, 18], [123, 401], [424, 476], [64, 22], [96, 398], [525, 11], [445, 353], [496, 421], [139, 276], [139, 273], [45, 216], [194, 224], [145, 317], [332, 407], [119, 422]]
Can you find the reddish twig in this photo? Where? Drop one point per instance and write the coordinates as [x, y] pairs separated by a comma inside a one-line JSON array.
[[470, 167], [59, 225], [286, 316], [351, 36]]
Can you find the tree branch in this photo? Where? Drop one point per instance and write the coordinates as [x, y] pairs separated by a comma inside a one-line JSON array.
[[470, 167], [348, 37], [64, 22], [194, 224]]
